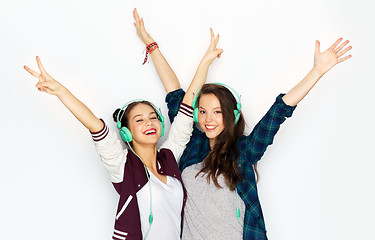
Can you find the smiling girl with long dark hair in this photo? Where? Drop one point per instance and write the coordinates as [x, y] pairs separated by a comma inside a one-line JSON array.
[[219, 163]]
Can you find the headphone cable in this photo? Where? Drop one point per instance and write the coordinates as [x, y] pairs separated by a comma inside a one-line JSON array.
[[150, 217]]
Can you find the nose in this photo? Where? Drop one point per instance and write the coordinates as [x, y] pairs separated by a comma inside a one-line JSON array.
[[148, 122], [208, 117]]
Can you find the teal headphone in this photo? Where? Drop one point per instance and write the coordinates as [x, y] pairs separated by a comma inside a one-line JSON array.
[[237, 112], [125, 132], [127, 137]]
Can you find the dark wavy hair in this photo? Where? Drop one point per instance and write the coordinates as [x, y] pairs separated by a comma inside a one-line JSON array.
[[224, 155]]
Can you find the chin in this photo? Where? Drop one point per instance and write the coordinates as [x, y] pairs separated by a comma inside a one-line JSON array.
[[211, 135], [148, 141]]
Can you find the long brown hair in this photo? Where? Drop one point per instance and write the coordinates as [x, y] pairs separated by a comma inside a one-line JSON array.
[[224, 155]]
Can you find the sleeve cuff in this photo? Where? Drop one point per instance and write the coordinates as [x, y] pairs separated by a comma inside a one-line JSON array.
[[284, 108], [100, 135], [176, 94], [186, 109]]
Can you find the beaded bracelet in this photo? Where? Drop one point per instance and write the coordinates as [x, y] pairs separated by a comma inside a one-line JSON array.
[[149, 49]]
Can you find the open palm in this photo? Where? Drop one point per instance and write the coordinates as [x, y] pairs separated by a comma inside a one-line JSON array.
[[324, 61]]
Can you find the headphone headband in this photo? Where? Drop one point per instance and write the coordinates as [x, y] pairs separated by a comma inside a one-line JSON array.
[[157, 110], [235, 95], [124, 131]]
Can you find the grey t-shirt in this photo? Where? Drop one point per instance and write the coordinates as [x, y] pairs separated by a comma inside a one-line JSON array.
[[210, 212]]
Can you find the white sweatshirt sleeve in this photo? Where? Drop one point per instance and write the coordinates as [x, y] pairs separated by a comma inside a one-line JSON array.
[[180, 132], [111, 152]]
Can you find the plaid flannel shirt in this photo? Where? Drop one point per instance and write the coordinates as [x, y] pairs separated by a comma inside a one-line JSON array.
[[251, 149]]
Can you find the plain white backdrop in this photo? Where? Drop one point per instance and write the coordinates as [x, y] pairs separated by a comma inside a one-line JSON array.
[[316, 180]]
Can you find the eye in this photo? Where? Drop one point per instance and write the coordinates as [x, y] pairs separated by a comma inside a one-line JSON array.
[[139, 119], [202, 112], [217, 112], [154, 118]]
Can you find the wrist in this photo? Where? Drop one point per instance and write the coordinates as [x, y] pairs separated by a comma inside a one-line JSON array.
[[150, 48], [205, 62], [317, 72], [149, 40], [62, 91]]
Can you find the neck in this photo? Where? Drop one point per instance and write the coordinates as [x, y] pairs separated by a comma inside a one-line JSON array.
[[212, 143], [147, 153]]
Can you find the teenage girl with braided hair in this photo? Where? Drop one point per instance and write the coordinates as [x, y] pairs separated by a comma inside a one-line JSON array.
[[217, 165], [152, 195]]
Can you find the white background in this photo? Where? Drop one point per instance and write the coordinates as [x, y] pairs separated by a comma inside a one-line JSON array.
[[317, 180]]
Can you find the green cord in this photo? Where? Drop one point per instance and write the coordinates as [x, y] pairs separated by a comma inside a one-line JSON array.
[[150, 217]]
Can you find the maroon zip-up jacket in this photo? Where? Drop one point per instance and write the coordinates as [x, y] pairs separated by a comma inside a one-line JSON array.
[[128, 172], [128, 224]]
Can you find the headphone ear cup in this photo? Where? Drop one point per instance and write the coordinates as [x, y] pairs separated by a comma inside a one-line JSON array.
[[239, 106], [162, 129], [126, 134], [195, 114], [161, 118], [237, 115]]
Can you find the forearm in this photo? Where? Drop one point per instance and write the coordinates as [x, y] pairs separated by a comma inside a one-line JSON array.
[[265, 130], [165, 72], [80, 111], [197, 82], [297, 93]]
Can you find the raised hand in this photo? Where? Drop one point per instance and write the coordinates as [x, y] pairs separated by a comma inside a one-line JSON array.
[[213, 52], [45, 82], [324, 61], [141, 31], [201, 74]]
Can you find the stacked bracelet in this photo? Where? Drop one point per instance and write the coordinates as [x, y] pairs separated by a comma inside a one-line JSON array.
[[149, 49]]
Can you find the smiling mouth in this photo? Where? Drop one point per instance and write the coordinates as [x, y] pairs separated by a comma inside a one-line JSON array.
[[210, 128], [150, 132]]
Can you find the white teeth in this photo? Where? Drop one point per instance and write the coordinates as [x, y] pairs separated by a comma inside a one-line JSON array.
[[150, 131], [210, 127]]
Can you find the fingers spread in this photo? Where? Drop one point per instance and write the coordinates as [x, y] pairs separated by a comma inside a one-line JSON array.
[[212, 35], [344, 59], [41, 68], [341, 46], [344, 51], [32, 72], [335, 44]]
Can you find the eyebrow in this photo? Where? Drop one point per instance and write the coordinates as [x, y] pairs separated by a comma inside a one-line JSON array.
[[213, 108], [142, 114]]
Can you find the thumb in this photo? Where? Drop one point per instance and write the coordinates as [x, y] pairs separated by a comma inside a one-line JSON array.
[[317, 46], [47, 90], [43, 85]]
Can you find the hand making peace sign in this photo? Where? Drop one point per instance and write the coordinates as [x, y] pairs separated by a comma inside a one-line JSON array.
[[45, 82], [213, 52]]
